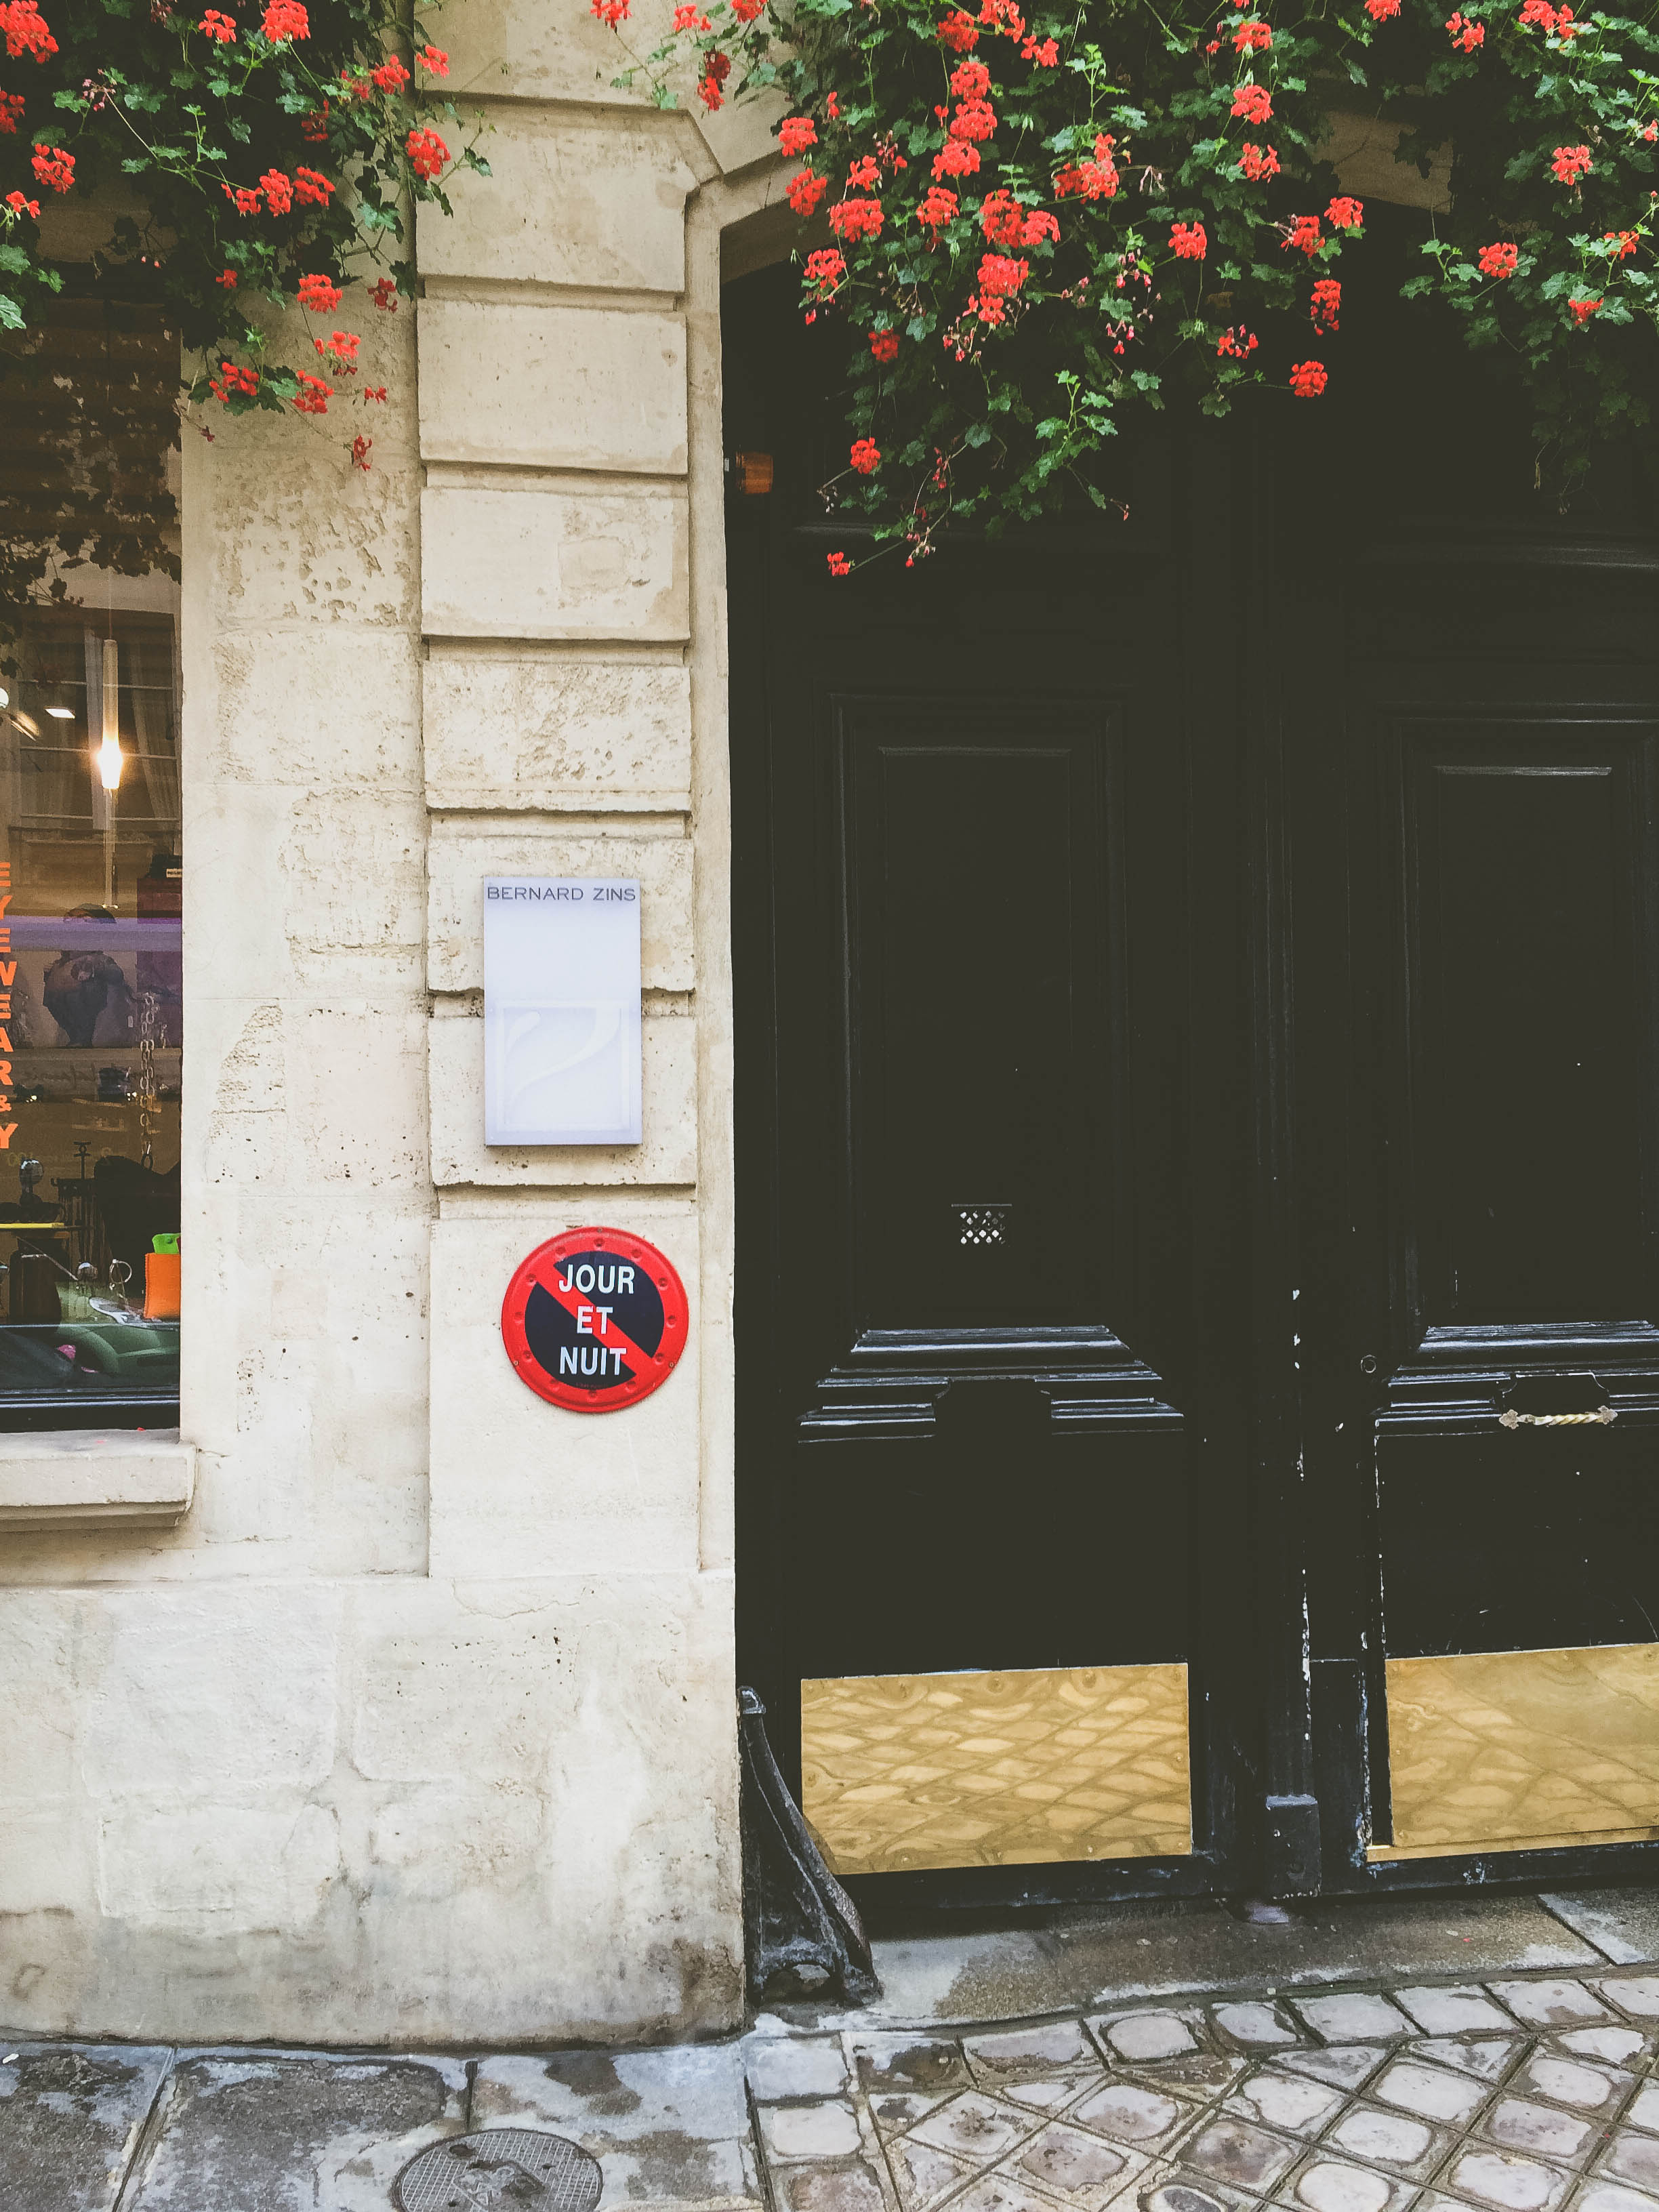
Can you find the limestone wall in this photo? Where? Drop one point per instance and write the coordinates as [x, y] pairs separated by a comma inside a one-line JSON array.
[[419, 1724]]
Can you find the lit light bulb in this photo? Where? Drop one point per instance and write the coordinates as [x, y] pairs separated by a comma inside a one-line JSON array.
[[5, 696], [109, 752]]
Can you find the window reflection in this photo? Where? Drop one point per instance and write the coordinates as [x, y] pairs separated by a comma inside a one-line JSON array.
[[91, 1015]]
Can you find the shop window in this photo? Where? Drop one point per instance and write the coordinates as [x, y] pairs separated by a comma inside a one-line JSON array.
[[91, 875]]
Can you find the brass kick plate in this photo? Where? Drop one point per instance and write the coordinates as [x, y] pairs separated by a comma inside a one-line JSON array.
[[1516, 1750], [902, 1771]]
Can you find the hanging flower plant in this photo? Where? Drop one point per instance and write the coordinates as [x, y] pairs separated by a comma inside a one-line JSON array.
[[1041, 220], [274, 158]]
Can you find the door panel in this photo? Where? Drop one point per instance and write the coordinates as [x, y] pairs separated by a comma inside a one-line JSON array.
[[1509, 947], [1523, 896], [975, 884], [979, 1381]]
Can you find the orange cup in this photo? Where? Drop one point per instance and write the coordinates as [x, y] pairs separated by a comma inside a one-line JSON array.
[[160, 1287]]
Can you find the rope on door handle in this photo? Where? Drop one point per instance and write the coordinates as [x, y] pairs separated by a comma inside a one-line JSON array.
[[1514, 1420]]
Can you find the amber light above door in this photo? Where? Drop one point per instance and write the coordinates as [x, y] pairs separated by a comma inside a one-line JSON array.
[[1504, 1750], [1023, 1768]]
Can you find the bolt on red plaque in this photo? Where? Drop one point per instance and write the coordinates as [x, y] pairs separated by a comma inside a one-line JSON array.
[[594, 1320]]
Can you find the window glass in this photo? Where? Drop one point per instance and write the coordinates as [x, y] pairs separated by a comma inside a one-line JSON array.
[[91, 872]]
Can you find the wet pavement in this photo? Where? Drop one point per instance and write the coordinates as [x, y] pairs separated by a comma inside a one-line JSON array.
[[1466, 2054]]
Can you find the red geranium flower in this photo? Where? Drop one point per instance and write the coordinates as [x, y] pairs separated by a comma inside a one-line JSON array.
[[1308, 379], [26, 30], [426, 152], [1499, 261], [53, 165]]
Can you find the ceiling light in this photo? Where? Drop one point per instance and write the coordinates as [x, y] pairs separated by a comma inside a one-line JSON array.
[[109, 753], [5, 696], [61, 713]]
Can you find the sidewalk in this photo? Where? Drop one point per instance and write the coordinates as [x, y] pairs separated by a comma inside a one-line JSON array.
[[1469, 2054]]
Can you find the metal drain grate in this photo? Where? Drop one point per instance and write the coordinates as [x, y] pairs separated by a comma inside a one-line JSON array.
[[499, 2167], [979, 1227]]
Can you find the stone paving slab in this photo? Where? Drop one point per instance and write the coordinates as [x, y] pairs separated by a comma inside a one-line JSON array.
[[1624, 1924], [69, 2122], [666, 2125], [260, 2132]]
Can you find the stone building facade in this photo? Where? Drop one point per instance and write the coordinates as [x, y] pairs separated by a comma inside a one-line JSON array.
[[386, 1703]]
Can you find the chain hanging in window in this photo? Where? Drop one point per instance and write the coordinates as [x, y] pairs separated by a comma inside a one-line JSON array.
[[148, 1005]]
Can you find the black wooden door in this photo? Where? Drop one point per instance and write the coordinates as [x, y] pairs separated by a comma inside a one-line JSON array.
[[1470, 726], [1194, 984]]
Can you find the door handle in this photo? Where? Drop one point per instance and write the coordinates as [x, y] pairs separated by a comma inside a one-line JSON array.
[[1511, 1419]]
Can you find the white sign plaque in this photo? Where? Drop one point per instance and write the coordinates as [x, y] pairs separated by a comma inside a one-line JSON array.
[[562, 1011]]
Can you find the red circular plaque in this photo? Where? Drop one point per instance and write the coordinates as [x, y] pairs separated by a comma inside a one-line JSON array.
[[594, 1320]]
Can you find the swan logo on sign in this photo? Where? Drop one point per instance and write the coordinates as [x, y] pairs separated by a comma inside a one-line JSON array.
[[594, 1320]]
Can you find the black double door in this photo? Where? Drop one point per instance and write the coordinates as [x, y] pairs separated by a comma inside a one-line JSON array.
[[1196, 1148]]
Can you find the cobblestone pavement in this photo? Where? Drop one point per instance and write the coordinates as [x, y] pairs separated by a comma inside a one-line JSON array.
[[1528, 2083], [1522, 2095]]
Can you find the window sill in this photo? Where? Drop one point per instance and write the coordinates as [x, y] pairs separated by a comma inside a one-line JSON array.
[[95, 1478]]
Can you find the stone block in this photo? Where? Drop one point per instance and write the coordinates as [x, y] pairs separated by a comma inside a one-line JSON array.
[[292, 534], [590, 200], [663, 2125], [519, 1487], [533, 52], [1450, 2012], [1353, 2017], [342, 868], [229, 1869], [459, 1154], [510, 734], [196, 1693], [355, 1083], [1254, 2026], [40, 1716], [610, 1703], [248, 2133], [745, 132], [1635, 1994], [1145, 2035], [1550, 2004], [46, 1859], [260, 694], [69, 2120], [828, 2127], [86, 1478], [541, 562], [796, 2066], [547, 387], [461, 856]]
